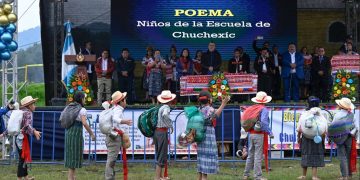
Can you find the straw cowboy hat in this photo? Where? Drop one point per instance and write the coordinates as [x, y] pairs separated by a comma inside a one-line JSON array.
[[117, 96], [261, 97], [166, 96], [28, 100], [345, 103]]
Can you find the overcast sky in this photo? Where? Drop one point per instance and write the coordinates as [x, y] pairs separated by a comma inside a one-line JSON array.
[[32, 17]]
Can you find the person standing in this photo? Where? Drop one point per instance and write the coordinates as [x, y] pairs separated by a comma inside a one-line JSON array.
[[161, 132], [197, 63], [240, 63], [149, 57], [104, 68], [3, 111], [312, 154], [125, 69], [184, 67], [211, 60], [344, 47], [89, 67], [292, 72], [265, 70], [155, 77], [258, 138], [276, 59], [207, 153], [307, 72], [320, 72], [343, 131], [350, 49], [113, 143], [74, 142]]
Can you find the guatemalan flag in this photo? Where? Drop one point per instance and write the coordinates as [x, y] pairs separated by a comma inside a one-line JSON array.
[[67, 70]]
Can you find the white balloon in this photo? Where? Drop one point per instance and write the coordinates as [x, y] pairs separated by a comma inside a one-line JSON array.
[[9, 1]]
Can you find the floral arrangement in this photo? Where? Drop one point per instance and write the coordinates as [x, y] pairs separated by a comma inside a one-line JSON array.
[[79, 82], [345, 85], [219, 86]]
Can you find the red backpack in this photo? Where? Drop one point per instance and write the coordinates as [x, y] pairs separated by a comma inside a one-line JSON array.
[[250, 116]]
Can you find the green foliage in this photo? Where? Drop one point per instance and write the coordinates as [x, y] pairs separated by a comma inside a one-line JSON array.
[[36, 90]]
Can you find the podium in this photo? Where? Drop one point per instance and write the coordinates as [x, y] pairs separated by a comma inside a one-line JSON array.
[[80, 79]]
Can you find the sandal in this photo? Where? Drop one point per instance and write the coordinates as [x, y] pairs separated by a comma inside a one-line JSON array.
[[301, 177]]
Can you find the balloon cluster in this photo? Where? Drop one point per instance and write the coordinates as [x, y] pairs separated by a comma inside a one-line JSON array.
[[7, 28]]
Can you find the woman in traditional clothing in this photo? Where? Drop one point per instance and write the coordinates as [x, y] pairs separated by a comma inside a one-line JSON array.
[[74, 143], [155, 77], [342, 131], [207, 154], [145, 78], [312, 154]]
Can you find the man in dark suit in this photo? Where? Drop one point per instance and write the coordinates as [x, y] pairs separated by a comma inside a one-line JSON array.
[[292, 72], [125, 69], [276, 59], [320, 72], [240, 63], [265, 69], [211, 60], [89, 67]]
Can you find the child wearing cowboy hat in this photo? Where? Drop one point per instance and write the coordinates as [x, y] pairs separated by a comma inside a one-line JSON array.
[[161, 133], [113, 144], [258, 136], [342, 131]]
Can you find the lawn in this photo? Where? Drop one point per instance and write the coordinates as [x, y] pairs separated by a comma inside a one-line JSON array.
[[281, 170], [36, 90]]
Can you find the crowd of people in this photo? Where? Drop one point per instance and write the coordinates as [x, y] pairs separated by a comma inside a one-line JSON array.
[[292, 75], [312, 130]]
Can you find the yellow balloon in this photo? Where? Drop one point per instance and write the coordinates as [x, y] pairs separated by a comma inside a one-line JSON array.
[[4, 20], [1, 11], [12, 17], [7, 8]]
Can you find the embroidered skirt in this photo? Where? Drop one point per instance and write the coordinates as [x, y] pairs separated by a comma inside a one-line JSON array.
[[207, 153]]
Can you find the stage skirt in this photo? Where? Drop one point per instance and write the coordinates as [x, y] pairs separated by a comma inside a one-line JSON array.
[[74, 146], [312, 154], [207, 154], [155, 82]]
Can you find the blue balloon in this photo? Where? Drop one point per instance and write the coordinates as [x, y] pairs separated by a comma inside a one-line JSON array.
[[6, 37], [11, 28], [2, 30], [12, 46], [2, 46], [6, 55]]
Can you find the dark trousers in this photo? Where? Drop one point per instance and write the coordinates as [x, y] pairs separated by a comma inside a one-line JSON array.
[[276, 84], [22, 166], [161, 147], [265, 83], [126, 85], [291, 88], [321, 88]]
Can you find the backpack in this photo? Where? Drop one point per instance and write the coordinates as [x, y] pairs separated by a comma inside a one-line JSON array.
[[105, 121], [148, 120], [69, 115], [195, 123], [14, 123], [251, 116]]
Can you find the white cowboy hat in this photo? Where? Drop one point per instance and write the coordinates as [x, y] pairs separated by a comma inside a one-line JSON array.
[[345, 103], [26, 101], [166, 96], [117, 96], [261, 97]]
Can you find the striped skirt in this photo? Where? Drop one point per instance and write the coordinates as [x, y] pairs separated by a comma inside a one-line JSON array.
[[312, 154], [155, 82], [207, 154], [74, 146]]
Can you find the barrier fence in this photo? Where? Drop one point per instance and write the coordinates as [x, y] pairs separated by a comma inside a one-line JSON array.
[[50, 149]]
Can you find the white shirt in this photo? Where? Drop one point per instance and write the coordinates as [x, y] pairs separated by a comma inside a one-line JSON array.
[[276, 60], [264, 69], [104, 64], [293, 62], [118, 116], [89, 65]]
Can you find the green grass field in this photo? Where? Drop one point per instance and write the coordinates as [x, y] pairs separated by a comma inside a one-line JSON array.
[[281, 170], [36, 90]]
